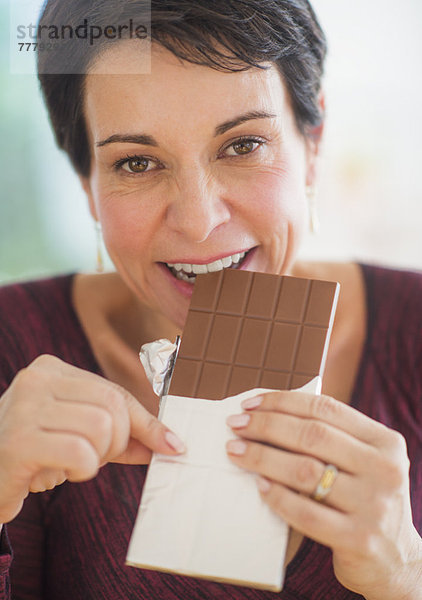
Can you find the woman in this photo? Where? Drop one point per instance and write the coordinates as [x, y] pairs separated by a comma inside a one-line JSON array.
[[209, 156]]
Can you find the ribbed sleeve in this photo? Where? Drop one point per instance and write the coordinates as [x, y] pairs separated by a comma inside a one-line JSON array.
[[5, 562], [38, 318]]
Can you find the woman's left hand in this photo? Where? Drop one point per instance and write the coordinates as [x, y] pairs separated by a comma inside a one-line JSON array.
[[288, 438]]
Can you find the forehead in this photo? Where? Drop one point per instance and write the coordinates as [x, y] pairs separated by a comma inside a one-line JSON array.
[[173, 92]]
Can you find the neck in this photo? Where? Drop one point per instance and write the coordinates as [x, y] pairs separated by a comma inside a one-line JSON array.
[[117, 324]]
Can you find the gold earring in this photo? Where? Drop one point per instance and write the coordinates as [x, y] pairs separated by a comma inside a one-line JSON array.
[[313, 212], [100, 261]]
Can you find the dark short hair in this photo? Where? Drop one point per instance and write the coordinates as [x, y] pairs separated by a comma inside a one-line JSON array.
[[228, 35]]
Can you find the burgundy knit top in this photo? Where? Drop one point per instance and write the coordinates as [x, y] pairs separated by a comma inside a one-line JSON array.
[[71, 543]]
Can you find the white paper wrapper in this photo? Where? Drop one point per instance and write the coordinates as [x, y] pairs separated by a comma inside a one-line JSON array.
[[200, 515], [155, 358]]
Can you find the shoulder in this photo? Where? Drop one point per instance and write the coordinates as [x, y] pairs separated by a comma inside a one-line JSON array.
[[25, 304], [33, 316], [394, 299], [389, 287], [23, 294]]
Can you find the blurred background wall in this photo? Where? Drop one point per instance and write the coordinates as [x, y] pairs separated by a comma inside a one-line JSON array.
[[370, 190]]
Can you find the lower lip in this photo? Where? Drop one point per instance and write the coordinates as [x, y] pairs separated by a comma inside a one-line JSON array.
[[185, 288]]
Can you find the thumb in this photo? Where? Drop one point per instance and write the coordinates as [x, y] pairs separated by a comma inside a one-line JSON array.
[[135, 454], [147, 430]]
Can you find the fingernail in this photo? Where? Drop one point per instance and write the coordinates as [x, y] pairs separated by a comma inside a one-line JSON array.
[[174, 442], [263, 484], [238, 421], [251, 403], [236, 447]]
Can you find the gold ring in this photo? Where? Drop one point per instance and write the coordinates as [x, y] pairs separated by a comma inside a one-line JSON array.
[[325, 483]]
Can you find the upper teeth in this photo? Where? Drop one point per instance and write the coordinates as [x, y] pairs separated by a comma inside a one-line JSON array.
[[217, 265]]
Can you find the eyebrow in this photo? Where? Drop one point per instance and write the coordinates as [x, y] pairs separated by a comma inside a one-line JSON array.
[[249, 116], [148, 140]]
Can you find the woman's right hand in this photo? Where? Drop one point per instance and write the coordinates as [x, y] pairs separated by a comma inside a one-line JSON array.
[[59, 422]]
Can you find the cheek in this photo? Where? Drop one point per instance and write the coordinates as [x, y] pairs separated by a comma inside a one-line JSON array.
[[127, 225], [272, 197]]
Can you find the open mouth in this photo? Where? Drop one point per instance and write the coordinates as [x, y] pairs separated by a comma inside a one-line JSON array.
[[188, 272]]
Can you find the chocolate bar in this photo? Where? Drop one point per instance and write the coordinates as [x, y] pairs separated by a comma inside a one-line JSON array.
[[246, 333], [246, 330]]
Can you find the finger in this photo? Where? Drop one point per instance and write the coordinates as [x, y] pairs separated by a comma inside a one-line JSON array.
[[47, 479], [323, 524], [148, 430], [305, 436], [100, 395], [135, 454], [130, 418], [322, 408], [52, 364], [90, 421], [297, 472], [62, 451]]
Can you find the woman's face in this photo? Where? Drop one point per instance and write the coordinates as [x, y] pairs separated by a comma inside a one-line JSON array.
[[193, 169]]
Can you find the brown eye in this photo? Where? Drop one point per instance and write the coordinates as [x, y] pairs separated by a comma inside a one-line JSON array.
[[136, 165], [244, 147]]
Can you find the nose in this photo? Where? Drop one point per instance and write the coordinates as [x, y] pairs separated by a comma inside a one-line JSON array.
[[197, 207]]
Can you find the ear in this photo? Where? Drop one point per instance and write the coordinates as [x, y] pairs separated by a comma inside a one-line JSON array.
[[313, 143], [86, 185]]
